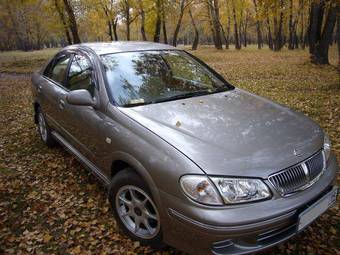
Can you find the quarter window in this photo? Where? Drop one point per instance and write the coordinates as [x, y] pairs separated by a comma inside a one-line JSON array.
[[79, 76]]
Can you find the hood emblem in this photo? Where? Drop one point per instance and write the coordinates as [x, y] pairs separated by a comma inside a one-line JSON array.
[[297, 152]]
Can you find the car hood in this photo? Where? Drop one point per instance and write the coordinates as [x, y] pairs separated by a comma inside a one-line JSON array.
[[234, 133]]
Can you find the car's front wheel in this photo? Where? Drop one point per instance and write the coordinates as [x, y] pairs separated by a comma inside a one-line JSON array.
[[134, 208]]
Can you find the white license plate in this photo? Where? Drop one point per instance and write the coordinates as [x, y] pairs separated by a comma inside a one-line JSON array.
[[318, 208]]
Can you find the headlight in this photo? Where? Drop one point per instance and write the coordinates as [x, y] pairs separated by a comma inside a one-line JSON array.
[[235, 190], [326, 146], [200, 189]]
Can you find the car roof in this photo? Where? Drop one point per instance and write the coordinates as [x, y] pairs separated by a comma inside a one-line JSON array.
[[101, 48]]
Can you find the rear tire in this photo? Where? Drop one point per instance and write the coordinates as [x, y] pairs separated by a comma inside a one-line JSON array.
[[134, 209], [44, 130]]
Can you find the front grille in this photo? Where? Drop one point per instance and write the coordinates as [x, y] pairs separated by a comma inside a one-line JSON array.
[[315, 165], [299, 176]]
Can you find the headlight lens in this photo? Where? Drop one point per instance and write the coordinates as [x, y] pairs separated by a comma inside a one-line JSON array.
[[235, 190], [327, 146], [200, 189]]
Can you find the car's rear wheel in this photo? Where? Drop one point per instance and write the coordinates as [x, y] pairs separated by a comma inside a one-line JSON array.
[[44, 129], [134, 208]]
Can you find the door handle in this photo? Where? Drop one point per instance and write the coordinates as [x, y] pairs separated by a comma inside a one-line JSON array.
[[61, 104], [39, 89]]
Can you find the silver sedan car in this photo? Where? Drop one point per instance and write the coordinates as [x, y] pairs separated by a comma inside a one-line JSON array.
[[188, 160]]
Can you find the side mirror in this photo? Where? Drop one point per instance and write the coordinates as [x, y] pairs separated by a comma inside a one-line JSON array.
[[80, 97]]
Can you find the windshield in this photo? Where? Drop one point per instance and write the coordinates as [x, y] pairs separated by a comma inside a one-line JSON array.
[[145, 77]]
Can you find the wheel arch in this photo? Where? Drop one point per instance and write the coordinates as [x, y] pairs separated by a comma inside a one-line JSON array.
[[122, 160]]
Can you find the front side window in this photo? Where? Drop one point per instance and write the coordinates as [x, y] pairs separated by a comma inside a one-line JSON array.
[[79, 75], [59, 69], [147, 77]]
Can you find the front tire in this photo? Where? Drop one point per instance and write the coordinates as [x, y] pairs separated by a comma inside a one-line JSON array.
[[134, 208], [44, 130]]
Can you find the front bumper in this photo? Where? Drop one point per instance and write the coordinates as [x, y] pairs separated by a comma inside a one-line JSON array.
[[239, 229]]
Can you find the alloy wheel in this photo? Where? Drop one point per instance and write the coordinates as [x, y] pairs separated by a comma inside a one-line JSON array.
[[42, 127], [137, 211]]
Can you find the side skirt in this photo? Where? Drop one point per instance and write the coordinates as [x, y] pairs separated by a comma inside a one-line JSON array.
[[89, 165]]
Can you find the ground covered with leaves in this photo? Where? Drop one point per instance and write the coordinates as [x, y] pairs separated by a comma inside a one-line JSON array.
[[50, 204]]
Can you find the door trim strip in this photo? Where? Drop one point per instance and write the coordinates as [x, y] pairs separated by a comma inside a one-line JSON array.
[[89, 165]]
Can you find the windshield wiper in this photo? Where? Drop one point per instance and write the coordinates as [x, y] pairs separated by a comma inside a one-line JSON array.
[[179, 96], [136, 104], [184, 95], [221, 89]]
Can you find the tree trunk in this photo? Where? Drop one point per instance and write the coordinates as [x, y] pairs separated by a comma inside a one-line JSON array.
[[291, 28], [165, 35], [210, 20], [114, 27], [157, 34], [196, 40], [270, 38], [227, 42], [315, 24], [224, 36], [240, 33], [217, 24], [179, 22], [302, 32], [258, 27], [237, 40], [295, 40], [142, 25], [320, 39], [245, 30], [63, 20], [338, 32], [72, 22], [127, 17], [214, 22], [278, 36], [109, 24]]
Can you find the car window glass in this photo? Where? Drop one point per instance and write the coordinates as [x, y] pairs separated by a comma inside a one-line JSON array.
[[48, 69], [153, 76], [185, 69], [79, 76], [58, 72]]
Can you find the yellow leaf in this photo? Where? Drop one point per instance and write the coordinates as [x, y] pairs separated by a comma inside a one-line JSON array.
[[76, 250], [47, 238]]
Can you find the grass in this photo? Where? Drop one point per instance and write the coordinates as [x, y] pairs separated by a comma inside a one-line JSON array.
[[24, 62], [50, 204]]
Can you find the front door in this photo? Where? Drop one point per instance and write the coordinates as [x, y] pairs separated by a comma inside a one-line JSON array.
[[83, 123]]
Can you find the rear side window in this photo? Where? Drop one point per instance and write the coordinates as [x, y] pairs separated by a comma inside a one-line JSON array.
[[58, 71], [79, 75]]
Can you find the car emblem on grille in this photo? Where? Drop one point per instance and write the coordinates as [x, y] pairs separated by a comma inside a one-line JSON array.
[[306, 171], [297, 152]]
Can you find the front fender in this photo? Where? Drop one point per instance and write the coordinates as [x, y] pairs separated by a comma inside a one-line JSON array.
[[140, 169]]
